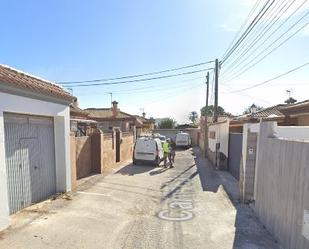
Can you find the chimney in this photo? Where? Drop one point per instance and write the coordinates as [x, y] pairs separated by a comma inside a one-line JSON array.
[[75, 102], [115, 108], [144, 114]]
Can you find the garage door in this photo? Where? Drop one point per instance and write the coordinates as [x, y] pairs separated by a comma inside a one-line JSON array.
[[30, 159]]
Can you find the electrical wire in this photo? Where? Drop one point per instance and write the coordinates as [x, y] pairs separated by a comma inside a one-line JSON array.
[[245, 68], [242, 26], [257, 29], [253, 24], [272, 79], [251, 46], [136, 75], [134, 91], [152, 87], [239, 63], [140, 80]]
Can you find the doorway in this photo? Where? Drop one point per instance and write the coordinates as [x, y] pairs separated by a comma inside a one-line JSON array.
[[118, 146]]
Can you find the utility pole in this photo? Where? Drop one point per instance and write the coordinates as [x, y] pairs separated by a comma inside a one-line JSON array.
[[111, 94], [206, 117], [215, 118]]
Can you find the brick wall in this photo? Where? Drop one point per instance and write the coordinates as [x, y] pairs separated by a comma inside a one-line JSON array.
[[97, 153]]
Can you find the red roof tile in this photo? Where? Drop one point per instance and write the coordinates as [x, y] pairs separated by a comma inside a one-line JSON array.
[[18, 79]]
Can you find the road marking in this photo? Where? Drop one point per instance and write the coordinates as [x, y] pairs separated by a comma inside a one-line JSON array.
[[179, 194], [90, 193]]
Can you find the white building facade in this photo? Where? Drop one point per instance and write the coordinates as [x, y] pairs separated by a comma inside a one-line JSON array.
[[34, 141]]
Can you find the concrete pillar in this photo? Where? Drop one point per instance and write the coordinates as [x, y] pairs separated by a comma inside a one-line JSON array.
[[4, 200]]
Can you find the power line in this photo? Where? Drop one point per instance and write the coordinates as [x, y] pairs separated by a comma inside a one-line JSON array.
[[141, 80], [242, 26], [255, 31], [239, 63], [152, 87], [173, 87], [246, 67], [272, 79], [136, 75], [251, 45], [255, 21]]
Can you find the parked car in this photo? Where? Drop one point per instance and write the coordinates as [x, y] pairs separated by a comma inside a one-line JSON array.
[[183, 140], [148, 149], [161, 137]]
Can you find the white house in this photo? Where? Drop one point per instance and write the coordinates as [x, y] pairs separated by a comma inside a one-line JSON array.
[[34, 141]]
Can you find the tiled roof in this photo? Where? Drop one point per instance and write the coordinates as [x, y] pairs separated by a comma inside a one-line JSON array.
[[297, 108], [145, 120], [18, 79], [76, 111], [269, 112], [106, 113]]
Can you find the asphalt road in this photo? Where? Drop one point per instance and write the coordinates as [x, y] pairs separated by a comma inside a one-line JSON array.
[[140, 207]]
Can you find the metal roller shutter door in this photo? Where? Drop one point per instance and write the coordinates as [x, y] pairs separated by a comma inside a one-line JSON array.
[[30, 159]]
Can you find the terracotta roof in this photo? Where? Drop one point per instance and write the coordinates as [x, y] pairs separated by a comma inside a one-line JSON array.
[[76, 111], [18, 79], [106, 113], [145, 120], [297, 108], [269, 112]]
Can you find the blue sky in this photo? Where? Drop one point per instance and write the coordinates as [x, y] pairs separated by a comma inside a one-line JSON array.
[[63, 40]]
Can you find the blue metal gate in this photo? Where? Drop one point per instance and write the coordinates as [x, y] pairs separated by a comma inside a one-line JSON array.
[[235, 150]]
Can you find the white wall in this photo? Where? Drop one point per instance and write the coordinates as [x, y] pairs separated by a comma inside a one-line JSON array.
[[292, 132], [61, 115], [222, 137]]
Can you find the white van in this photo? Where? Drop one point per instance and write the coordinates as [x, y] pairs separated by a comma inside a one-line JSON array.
[[183, 140], [147, 149]]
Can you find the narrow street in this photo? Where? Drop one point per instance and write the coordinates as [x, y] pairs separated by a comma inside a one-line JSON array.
[[141, 207]]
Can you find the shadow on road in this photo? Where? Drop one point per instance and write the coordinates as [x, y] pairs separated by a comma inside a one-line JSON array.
[[157, 172], [249, 232], [132, 169]]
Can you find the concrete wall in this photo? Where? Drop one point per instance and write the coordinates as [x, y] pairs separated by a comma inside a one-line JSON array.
[[303, 120], [61, 114], [126, 148], [218, 134], [222, 136], [292, 132], [109, 150], [282, 189], [73, 161], [83, 156], [108, 153], [248, 162]]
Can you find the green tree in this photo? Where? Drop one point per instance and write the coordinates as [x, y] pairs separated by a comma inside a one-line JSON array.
[[167, 123], [193, 116], [210, 111], [252, 108]]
